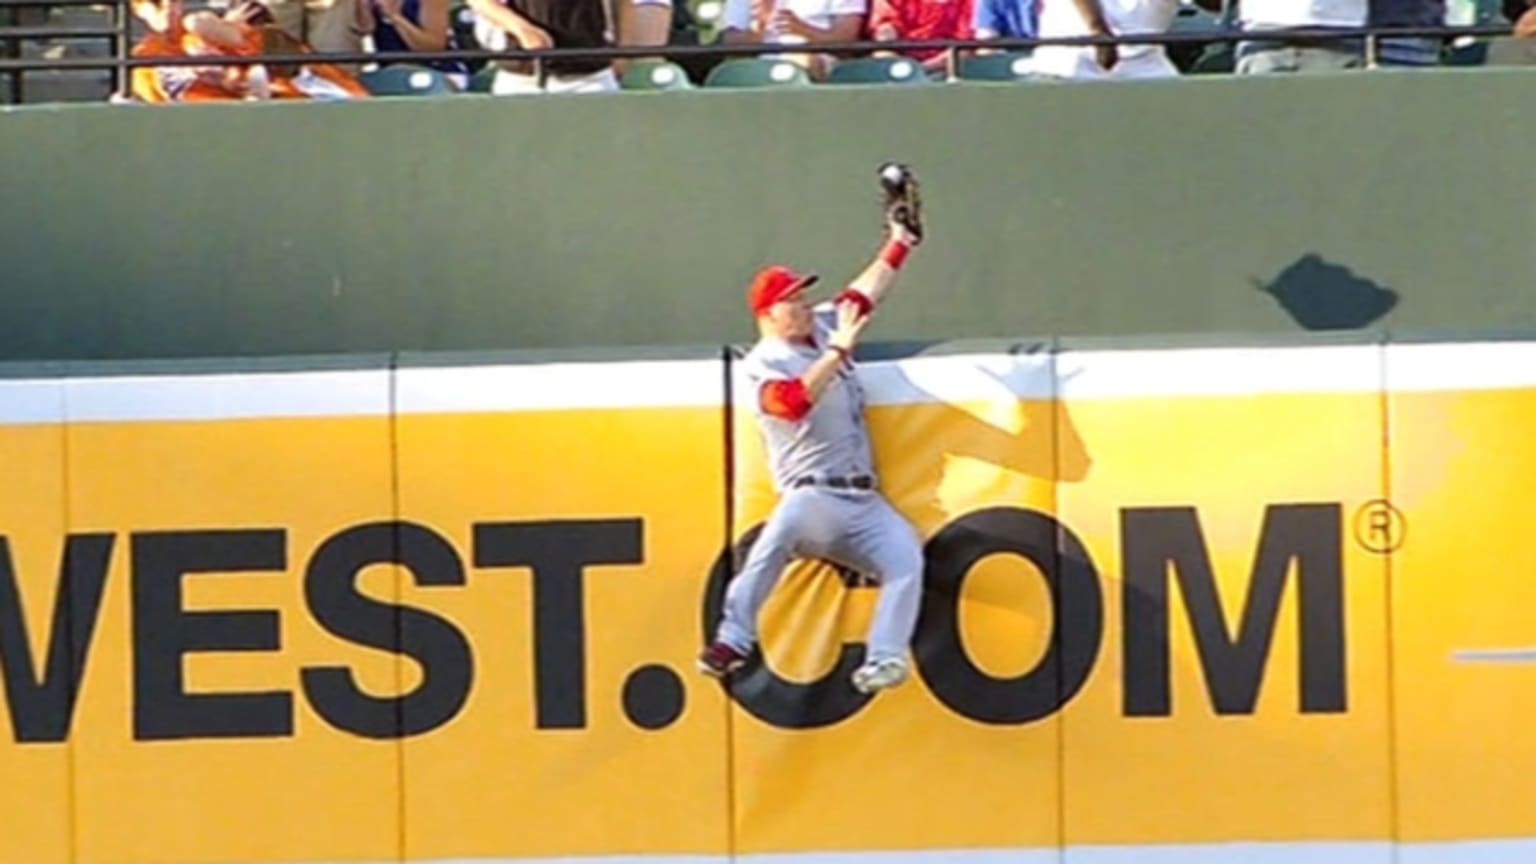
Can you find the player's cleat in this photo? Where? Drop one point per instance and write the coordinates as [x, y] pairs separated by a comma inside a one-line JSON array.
[[877, 675], [720, 660]]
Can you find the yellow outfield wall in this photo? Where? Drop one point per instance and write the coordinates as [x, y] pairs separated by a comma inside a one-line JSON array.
[[1181, 606]]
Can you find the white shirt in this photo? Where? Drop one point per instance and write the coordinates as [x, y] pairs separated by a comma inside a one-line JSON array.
[[817, 13], [1270, 14], [1060, 19]]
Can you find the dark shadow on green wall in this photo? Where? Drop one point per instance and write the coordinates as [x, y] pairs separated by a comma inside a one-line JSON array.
[[1321, 295]]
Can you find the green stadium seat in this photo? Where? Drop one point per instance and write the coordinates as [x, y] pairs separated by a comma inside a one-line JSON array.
[[1002, 66], [481, 81], [757, 72], [406, 79], [655, 75], [878, 70]]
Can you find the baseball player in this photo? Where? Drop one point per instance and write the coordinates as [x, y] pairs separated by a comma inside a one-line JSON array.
[[810, 410]]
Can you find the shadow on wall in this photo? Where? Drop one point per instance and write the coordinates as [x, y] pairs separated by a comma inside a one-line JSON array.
[[1321, 295]]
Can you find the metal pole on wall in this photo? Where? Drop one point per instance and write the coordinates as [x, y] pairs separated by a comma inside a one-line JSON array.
[[8, 49], [122, 47]]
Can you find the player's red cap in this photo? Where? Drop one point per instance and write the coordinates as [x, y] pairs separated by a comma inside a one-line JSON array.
[[774, 283]]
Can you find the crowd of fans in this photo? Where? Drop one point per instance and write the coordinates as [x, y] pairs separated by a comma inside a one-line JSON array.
[[252, 28]]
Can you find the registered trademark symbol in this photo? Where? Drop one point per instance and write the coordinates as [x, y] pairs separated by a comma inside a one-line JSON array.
[[1380, 527]]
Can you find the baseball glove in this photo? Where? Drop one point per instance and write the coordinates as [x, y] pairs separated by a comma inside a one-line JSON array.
[[903, 204]]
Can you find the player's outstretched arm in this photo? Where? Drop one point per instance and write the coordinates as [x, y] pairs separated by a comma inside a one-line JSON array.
[[904, 230], [877, 277]]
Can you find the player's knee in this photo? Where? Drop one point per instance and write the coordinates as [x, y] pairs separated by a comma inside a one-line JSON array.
[[905, 567]]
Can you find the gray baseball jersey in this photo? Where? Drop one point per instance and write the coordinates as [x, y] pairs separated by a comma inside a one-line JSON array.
[[829, 441], [857, 528]]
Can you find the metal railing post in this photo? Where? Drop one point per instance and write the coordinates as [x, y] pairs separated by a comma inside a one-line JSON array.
[[952, 63], [540, 73], [1372, 51], [10, 50], [122, 47]]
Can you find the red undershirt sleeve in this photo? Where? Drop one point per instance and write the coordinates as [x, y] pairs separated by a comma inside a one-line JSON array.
[[786, 399]]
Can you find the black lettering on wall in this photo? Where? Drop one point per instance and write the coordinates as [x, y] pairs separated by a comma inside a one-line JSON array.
[[163, 632], [558, 552], [447, 664], [1077, 600], [42, 708], [1155, 539]]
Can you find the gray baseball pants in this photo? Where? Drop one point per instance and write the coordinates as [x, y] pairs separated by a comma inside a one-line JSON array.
[[855, 528]]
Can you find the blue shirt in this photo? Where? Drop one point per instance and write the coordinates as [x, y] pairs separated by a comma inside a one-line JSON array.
[[1011, 19], [387, 39]]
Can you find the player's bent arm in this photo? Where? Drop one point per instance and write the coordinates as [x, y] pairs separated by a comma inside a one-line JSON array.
[[792, 398]]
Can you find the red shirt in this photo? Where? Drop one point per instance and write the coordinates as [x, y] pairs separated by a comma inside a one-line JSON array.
[[924, 19]]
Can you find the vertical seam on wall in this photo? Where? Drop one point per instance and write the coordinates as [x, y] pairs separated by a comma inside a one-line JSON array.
[[1394, 804], [728, 428], [72, 805], [1061, 716], [394, 499]]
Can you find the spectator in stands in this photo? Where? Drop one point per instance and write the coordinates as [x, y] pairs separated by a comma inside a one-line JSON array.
[[794, 22], [246, 30], [917, 20], [1067, 18], [1007, 19], [1274, 17], [411, 25], [1407, 51], [537, 25], [1519, 49], [641, 23], [324, 25]]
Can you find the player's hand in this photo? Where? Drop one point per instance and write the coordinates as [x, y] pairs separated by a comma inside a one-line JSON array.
[[901, 233], [850, 323]]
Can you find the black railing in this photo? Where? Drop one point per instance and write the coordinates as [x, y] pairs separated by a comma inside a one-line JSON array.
[[119, 34], [121, 62]]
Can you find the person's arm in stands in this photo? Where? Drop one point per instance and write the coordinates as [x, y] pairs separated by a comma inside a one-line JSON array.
[[215, 30], [642, 23], [965, 28], [430, 35], [885, 21], [844, 28], [528, 34], [1093, 16], [742, 21]]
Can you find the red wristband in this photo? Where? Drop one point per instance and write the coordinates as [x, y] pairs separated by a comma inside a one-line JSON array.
[[894, 253]]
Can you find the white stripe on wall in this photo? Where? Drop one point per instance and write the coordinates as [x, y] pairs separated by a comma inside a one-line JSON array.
[[956, 378], [1462, 366], [553, 386], [28, 401], [1521, 850], [1218, 371], [1240, 853], [1510, 851], [964, 856], [228, 396]]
